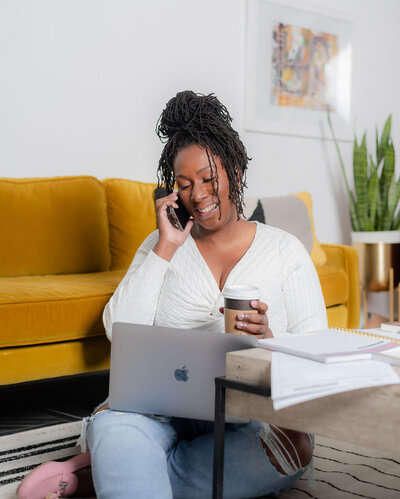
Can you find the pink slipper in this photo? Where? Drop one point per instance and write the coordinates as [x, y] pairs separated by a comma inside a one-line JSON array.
[[53, 479]]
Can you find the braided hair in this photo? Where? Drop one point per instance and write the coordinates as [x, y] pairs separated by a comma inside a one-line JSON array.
[[191, 118]]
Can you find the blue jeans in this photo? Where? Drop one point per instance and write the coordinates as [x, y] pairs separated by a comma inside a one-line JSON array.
[[138, 456]]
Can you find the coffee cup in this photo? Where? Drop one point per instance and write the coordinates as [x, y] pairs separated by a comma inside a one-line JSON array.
[[237, 298]]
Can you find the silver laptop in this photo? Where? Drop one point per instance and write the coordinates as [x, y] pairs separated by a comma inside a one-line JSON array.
[[168, 371]]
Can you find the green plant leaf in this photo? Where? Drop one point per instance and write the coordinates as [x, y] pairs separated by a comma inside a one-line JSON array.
[[353, 214], [373, 196], [368, 225], [360, 169], [396, 222], [382, 144], [385, 181], [379, 212], [396, 217], [386, 132], [379, 149], [393, 200]]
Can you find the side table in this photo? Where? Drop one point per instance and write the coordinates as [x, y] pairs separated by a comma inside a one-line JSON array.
[[369, 416]]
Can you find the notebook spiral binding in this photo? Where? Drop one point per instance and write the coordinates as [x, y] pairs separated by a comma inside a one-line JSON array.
[[366, 333]]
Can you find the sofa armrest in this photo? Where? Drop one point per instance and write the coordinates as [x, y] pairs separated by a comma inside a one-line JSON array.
[[346, 258]]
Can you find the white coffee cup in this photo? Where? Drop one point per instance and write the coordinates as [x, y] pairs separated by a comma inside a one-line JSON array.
[[237, 298]]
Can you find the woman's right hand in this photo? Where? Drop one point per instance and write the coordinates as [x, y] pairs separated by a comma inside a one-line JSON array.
[[170, 238]]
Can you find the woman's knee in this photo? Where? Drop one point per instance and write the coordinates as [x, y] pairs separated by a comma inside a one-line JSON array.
[[298, 444], [103, 427], [289, 447], [122, 429]]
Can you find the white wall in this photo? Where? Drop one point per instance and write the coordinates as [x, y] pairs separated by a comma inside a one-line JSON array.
[[82, 83]]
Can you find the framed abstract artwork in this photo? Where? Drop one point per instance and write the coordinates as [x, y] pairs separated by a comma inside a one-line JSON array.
[[298, 66]]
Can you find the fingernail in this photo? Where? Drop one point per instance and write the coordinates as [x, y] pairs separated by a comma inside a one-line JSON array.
[[253, 303], [241, 316], [239, 324]]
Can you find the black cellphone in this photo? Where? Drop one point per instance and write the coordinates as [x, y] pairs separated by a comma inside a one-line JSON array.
[[178, 217]]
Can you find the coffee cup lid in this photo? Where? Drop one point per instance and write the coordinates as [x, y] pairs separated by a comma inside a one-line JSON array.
[[241, 292]]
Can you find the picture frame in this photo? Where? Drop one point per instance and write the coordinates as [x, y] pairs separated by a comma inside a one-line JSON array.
[[298, 65]]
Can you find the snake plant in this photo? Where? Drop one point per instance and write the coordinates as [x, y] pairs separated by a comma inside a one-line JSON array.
[[373, 206]]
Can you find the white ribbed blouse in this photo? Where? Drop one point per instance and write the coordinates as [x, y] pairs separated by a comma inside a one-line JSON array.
[[183, 292]]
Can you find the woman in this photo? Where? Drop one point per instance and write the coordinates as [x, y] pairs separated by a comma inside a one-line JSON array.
[[176, 279]]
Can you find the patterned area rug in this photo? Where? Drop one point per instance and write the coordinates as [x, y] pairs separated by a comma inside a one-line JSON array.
[[342, 471]]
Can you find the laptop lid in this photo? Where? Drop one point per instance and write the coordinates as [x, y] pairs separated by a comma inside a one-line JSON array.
[[169, 371]]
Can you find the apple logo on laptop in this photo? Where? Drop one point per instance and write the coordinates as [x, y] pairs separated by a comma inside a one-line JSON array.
[[181, 374]]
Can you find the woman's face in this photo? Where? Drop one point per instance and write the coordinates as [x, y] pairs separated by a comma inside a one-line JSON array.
[[197, 187]]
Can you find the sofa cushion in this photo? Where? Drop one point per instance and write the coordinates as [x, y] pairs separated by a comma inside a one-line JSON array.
[[292, 213], [337, 315], [53, 226], [334, 283], [29, 363], [52, 308], [131, 215]]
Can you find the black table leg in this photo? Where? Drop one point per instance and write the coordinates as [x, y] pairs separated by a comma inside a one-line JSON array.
[[221, 384], [219, 435]]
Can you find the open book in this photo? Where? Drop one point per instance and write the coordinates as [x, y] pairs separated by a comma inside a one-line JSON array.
[[339, 345]]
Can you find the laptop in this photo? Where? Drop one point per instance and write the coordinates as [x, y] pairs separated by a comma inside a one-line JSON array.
[[169, 371]]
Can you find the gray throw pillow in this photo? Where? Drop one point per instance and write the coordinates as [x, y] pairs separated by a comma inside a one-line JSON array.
[[288, 213]]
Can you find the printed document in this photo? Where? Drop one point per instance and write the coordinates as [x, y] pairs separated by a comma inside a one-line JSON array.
[[296, 379]]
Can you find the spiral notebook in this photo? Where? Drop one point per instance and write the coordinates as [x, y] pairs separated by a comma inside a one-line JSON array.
[[340, 345]]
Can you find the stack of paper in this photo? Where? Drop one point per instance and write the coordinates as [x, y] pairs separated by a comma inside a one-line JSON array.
[[296, 379]]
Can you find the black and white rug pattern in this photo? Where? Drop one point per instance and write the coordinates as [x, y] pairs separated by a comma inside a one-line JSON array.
[[342, 470], [346, 471], [22, 452]]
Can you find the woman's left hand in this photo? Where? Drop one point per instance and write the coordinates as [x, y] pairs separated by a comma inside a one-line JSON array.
[[254, 324]]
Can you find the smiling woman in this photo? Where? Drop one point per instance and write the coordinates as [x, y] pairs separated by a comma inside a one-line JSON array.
[[177, 279], [204, 190], [198, 189]]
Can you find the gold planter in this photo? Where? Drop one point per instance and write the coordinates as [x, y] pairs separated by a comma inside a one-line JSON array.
[[377, 257], [379, 260]]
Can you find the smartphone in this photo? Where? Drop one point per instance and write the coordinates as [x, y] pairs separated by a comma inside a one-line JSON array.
[[179, 217]]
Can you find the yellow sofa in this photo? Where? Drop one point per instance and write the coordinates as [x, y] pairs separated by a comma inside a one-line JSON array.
[[65, 244]]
